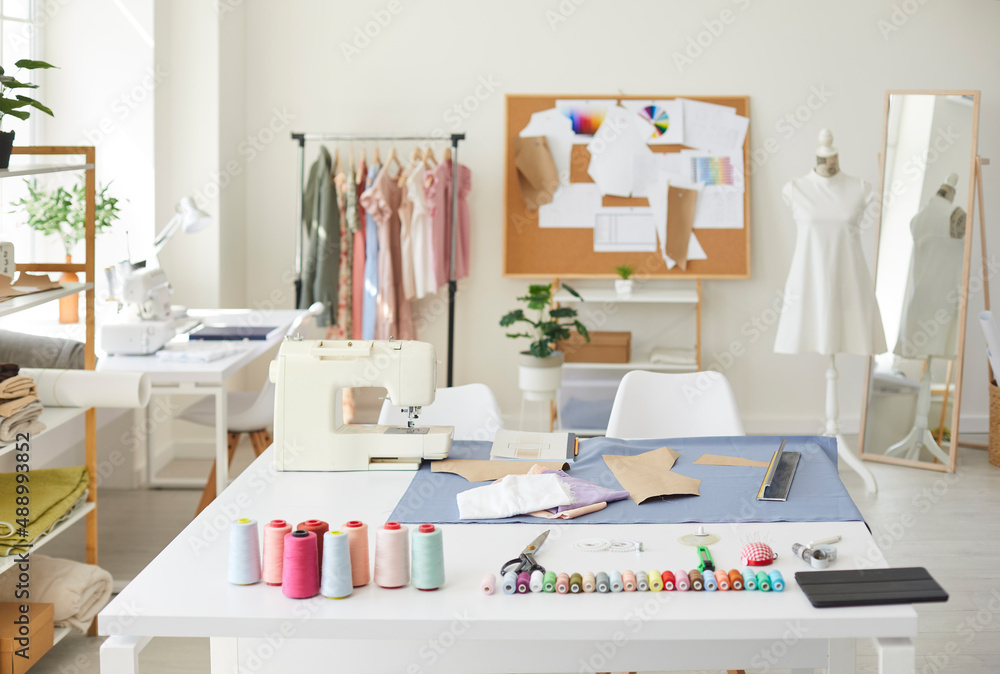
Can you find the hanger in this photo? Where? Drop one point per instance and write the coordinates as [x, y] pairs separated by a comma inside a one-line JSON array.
[[429, 158], [378, 158], [350, 156], [393, 158], [361, 165], [416, 154], [446, 155]]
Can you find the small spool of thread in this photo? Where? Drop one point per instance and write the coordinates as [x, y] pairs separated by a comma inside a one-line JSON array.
[[427, 558], [274, 546], [510, 583], [549, 582], [681, 580], [655, 581], [562, 583], [777, 581], [669, 582], [749, 579], [697, 582], [523, 582], [642, 581], [392, 555], [708, 577], [722, 580], [628, 581], [357, 536], [589, 582], [603, 582], [244, 552], [318, 527], [735, 580], [488, 584], [335, 578], [537, 582], [300, 573], [575, 583], [616, 581], [763, 582]]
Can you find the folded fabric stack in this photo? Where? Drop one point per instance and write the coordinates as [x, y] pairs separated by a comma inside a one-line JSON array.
[[76, 591], [19, 405], [54, 493]]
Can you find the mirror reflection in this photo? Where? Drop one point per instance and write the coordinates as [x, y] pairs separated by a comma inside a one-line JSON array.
[[920, 275]]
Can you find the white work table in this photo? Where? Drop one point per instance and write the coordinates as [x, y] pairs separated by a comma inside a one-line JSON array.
[[184, 593], [206, 378]]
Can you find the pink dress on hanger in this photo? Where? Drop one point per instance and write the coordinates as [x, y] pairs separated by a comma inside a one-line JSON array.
[[439, 198], [393, 317], [358, 263]]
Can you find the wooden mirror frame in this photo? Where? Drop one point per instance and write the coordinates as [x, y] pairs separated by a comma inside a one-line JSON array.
[[966, 271]]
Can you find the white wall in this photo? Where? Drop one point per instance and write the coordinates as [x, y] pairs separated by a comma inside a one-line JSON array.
[[827, 63]]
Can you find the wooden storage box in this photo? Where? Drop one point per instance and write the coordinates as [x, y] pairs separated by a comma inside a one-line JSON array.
[[39, 637], [604, 347]]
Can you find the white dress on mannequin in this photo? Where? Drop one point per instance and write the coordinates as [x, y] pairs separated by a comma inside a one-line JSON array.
[[929, 324], [829, 303]]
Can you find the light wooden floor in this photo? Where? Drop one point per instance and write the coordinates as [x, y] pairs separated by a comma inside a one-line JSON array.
[[920, 518]]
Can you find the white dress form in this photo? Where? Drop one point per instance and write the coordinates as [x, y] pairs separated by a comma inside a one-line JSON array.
[[830, 295]]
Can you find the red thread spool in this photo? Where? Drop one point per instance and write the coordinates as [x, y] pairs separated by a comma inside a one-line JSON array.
[[274, 546], [300, 575], [668, 580], [357, 538], [318, 527]]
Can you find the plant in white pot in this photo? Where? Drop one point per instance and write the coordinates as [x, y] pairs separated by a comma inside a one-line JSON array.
[[623, 284], [540, 367]]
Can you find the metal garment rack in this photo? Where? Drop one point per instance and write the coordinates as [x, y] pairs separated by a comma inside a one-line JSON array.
[[454, 138]]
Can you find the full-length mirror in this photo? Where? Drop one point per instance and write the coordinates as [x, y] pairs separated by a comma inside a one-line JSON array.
[[913, 392]]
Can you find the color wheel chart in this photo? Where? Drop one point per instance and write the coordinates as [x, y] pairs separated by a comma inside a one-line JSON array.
[[658, 117], [712, 170]]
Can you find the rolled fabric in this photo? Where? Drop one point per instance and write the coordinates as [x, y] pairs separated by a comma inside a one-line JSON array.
[[34, 351], [90, 388], [77, 591]]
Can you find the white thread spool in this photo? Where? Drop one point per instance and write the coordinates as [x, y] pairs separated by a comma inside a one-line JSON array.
[[392, 555], [244, 552], [335, 582]]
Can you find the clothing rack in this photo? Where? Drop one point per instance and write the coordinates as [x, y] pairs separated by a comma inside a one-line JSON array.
[[302, 138]]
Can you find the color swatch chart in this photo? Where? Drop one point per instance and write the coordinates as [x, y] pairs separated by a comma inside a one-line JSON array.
[[712, 170]]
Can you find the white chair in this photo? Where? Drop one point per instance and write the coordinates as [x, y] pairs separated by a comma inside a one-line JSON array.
[[659, 405], [472, 409], [246, 411]]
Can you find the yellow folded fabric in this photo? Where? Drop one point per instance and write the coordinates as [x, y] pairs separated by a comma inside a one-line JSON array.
[[54, 491], [9, 407], [16, 387]]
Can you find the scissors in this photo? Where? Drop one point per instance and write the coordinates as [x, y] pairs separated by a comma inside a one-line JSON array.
[[526, 560]]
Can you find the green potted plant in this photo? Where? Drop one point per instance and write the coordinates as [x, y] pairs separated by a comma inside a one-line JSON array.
[[16, 104], [63, 212], [623, 284], [540, 367]]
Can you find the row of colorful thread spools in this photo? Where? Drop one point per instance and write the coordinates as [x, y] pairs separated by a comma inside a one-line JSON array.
[[629, 581], [312, 559]]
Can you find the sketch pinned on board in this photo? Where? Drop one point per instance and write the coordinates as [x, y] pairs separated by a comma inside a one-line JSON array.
[[624, 229]]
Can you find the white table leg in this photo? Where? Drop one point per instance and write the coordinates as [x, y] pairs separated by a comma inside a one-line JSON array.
[[225, 655], [896, 655], [120, 655], [221, 446], [843, 656]]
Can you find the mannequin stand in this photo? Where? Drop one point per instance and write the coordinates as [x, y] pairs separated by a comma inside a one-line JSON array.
[[833, 429], [919, 437]]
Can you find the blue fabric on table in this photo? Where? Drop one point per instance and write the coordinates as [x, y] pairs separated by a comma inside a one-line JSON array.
[[728, 493]]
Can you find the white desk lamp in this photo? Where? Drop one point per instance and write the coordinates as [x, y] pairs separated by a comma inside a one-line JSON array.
[[187, 216]]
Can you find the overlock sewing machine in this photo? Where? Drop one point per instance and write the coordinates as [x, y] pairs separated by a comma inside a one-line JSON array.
[[309, 433]]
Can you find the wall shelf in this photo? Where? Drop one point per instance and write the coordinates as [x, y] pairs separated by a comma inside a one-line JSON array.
[[53, 418], [84, 510], [22, 302], [653, 295], [39, 169]]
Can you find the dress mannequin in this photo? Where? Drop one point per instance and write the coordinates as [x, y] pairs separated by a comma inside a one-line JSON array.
[[830, 296], [929, 324]]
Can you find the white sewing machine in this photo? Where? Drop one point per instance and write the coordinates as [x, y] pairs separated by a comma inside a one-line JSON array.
[[309, 433], [144, 322]]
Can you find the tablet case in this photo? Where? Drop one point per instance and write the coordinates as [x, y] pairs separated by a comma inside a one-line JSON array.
[[870, 587]]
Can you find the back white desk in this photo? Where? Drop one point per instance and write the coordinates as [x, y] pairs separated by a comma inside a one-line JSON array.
[[209, 378], [184, 593]]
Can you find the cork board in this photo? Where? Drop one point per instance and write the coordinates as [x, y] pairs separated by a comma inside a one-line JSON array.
[[534, 252]]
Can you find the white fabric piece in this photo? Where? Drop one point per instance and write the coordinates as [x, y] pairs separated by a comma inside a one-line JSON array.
[[620, 138], [77, 591], [929, 323], [558, 131], [830, 304], [514, 495], [424, 281], [664, 355], [198, 351]]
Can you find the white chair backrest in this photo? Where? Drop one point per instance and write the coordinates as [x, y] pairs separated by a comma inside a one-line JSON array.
[[472, 409], [660, 405]]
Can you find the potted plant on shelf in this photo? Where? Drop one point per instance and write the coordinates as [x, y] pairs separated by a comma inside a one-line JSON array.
[[14, 104], [623, 285], [63, 212], [540, 367]]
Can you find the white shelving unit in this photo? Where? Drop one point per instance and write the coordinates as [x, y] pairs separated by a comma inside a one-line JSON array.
[[53, 418], [646, 293], [22, 302], [83, 511]]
